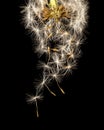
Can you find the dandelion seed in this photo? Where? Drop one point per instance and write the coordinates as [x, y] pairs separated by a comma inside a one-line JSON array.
[[34, 99]]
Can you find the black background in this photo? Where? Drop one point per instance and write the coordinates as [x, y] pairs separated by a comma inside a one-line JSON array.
[[77, 107]]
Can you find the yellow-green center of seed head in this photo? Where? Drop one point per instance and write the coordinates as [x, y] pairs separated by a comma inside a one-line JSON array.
[[53, 4], [55, 9]]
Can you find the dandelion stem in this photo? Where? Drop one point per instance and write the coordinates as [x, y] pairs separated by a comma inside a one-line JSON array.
[[50, 91], [60, 87], [37, 112]]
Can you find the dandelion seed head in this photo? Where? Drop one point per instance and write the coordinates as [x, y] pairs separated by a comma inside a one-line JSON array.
[[58, 27]]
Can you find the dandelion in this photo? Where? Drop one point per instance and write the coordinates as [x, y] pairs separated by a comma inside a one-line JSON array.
[[58, 28]]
